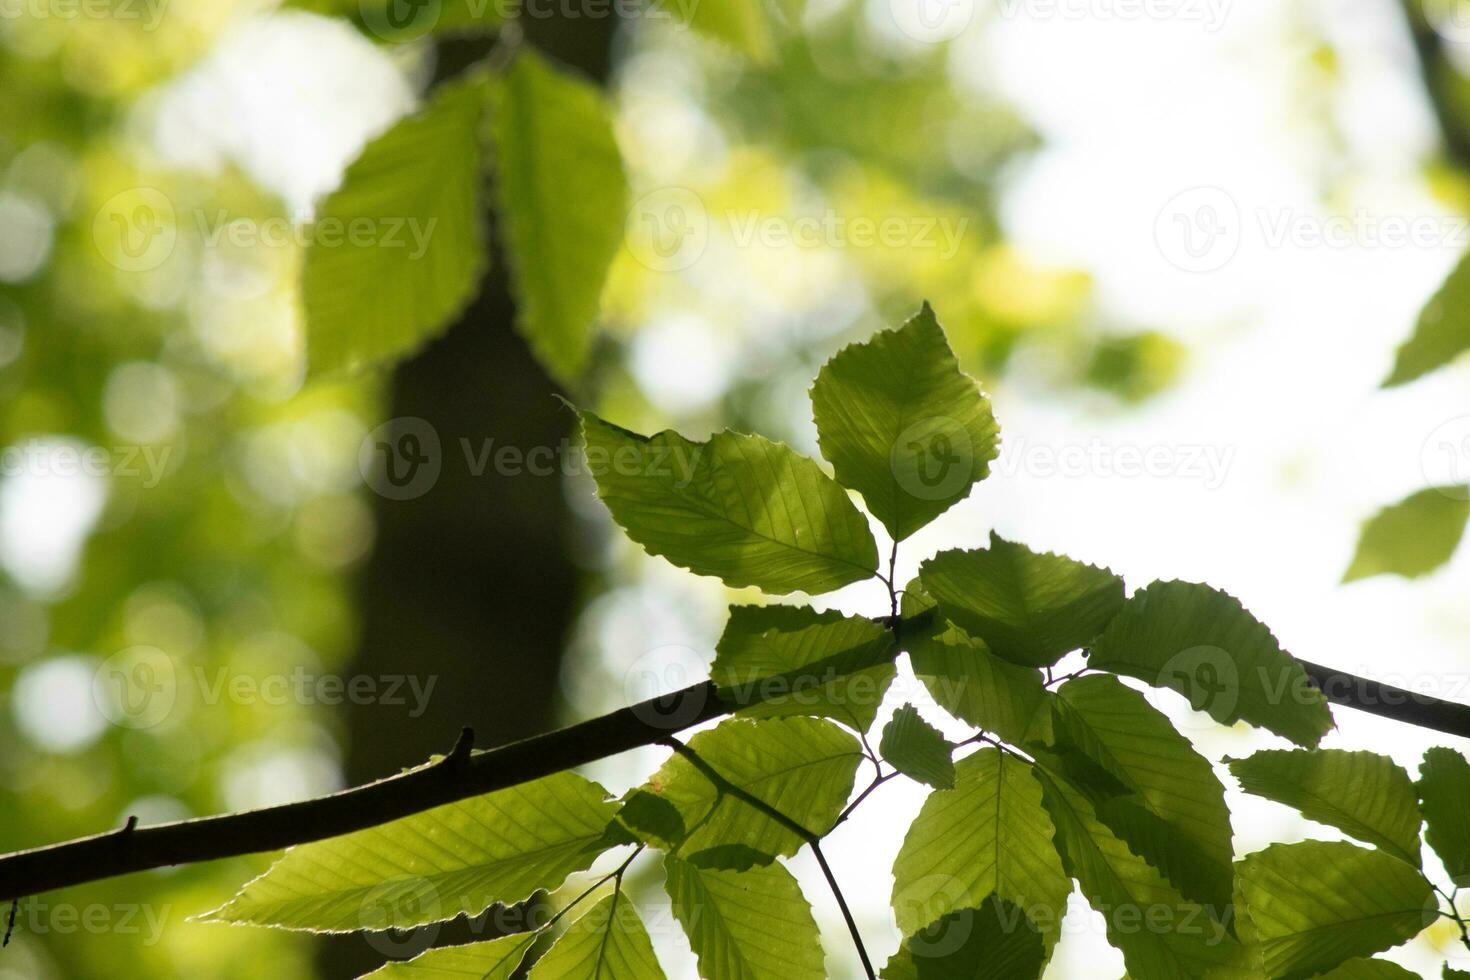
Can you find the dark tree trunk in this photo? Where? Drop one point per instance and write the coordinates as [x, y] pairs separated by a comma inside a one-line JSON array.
[[471, 583]]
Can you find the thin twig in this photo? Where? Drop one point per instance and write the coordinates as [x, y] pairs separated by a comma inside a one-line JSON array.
[[857, 937], [10, 926], [812, 840], [879, 781]]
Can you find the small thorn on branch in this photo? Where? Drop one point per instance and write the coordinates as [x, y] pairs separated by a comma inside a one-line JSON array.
[[463, 746]]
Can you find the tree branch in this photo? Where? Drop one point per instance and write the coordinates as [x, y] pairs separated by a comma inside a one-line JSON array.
[[460, 776]]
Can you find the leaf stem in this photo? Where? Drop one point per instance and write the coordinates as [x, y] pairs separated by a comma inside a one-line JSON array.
[[812, 840], [852, 928]]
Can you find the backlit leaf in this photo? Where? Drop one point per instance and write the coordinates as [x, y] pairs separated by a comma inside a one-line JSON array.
[[459, 858], [969, 681], [609, 941], [988, 835], [398, 249], [903, 426], [1189, 836], [497, 959], [1444, 799], [1442, 332], [747, 925], [803, 767], [1414, 536], [1317, 904], [742, 508], [917, 749], [1202, 643], [562, 198], [1363, 794], [1030, 608], [1179, 938], [765, 642]]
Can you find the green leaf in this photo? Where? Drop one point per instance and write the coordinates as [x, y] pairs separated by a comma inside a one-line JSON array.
[[993, 942], [900, 966], [1444, 799], [1029, 608], [970, 682], [765, 642], [1368, 969], [903, 426], [1183, 828], [802, 767], [742, 508], [1317, 904], [1412, 537], [609, 941], [1451, 974], [744, 25], [653, 819], [746, 925], [398, 250], [1442, 333], [459, 858], [1202, 643], [1363, 794], [988, 835], [917, 749], [562, 196], [1162, 934], [497, 959]]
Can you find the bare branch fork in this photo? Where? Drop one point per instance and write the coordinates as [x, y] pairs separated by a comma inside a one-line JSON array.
[[464, 773]]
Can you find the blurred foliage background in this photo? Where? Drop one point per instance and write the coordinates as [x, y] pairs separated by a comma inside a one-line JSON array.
[[171, 483]]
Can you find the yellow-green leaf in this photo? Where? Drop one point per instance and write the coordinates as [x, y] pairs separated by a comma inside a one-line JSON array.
[[917, 749], [1203, 643], [1317, 904], [1442, 332], [848, 664], [1030, 608], [746, 925], [608, 942], [1414, 536], [1444, 799], [459, 858], [988, 835], [903, 426], [497, 959], [742, 508], [1363, 794], [398, 249], [562, 197], [802, 767]]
